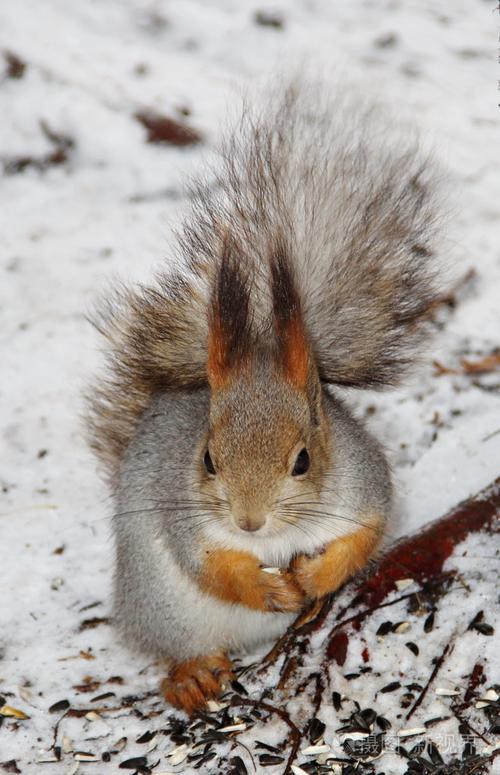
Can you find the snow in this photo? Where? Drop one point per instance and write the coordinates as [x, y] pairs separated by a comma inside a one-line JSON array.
[[66, 232]]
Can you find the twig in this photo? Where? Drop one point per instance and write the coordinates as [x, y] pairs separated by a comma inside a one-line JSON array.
[[295, 732], [439, 663]]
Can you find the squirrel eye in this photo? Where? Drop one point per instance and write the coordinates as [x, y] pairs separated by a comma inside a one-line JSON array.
[[302, 463], [207, 460]]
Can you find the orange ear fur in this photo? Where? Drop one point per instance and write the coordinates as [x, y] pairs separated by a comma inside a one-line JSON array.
[[217, 361], [294, 351], [292, 342], [229, 332]]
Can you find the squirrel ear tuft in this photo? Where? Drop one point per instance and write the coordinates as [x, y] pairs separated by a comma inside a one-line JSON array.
[[229, 330], [293, 348]]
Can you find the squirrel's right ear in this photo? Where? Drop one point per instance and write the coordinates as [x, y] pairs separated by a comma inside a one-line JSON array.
[[229, 331]]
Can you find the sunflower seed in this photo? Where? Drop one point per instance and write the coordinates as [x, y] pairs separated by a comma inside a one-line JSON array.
[[316, 730], [401, 627], [214, 706], [298, 770], [314, 750], [178, 754], [233, 728], [57, 707], [411, 731], [391, 687], [403, 584], [384, 629]]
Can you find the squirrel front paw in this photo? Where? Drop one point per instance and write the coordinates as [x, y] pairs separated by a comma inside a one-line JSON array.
[[324, 573], [279, 592], [189, 685], [238, 577]]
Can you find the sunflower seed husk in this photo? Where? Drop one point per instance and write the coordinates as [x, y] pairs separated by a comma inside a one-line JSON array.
[[403, 584], [314, 750], [9, 711], [411, 731]]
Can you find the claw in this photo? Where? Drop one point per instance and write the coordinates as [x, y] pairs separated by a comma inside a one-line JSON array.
[[189, 685]]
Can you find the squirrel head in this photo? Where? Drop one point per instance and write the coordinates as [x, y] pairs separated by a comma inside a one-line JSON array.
[[267, 445]]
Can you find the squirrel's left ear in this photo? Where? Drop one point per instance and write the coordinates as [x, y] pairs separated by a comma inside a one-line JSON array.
[[229, 331], [293, 347]]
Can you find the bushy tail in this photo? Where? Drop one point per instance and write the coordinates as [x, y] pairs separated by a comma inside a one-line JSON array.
[[348, 204]]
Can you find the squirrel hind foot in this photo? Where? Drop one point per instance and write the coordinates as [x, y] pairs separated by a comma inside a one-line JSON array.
[[189, 685]]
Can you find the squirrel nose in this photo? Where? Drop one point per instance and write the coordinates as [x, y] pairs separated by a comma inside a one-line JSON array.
[[251, 525]]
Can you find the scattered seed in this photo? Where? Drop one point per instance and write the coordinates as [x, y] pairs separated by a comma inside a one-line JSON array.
[[298, 770], [433, 753], [233, 728], [391, 687], [67, 745], [355, 736], [267, 746], [402, 584], [384, 629], [57, 707], [238, 687], [178, 754], [369, 716], [401, 627], [337, 701], [9, 711], [413, 647], [359, 721], [239, 765], [92, 716], [436, 720], [411, 731], [480, 625], [485, 629], [316, 730], [146, 737], [429, 622], [314, 750], [83, 756], [443, 692], [206, 758], [383, 723], [134, 763], [267, 759], [214, 706]]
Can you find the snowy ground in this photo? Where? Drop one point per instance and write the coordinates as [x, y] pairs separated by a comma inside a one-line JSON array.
[[108, 209]]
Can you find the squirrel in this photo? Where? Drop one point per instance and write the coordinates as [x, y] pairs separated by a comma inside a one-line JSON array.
[[243, 487]]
